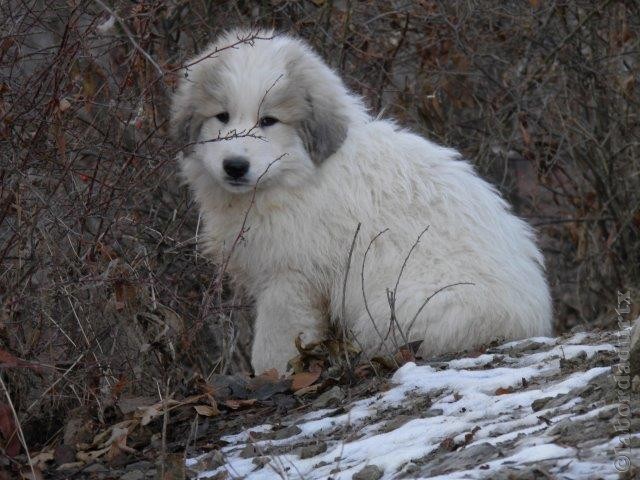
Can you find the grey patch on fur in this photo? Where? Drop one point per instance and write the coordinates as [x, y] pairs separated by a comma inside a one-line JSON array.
[[192, 93], [323, 131], [185, 123], [187, 133], [324, 126]]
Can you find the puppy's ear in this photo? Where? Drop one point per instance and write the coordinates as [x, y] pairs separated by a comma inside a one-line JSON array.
[[325, 126], [185, 122]]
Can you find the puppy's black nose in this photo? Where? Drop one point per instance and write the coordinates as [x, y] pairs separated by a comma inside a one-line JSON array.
[[235, 167]]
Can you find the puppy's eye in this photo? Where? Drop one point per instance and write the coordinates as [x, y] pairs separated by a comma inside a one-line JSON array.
[[268, 121], [223, 117]]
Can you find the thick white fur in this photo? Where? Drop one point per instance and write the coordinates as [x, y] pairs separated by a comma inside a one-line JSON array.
[[335, 167]]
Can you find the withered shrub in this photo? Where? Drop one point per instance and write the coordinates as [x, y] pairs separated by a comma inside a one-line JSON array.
[[102, 287]]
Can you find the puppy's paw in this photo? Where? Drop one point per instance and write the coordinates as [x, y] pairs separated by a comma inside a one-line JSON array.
[[263, 359]]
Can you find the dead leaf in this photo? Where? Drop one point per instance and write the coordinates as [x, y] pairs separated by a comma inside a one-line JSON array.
[[8, 431], [70, 466], [28, 473], [8, 360], [207, 410], [468, 437], [91, 455], [112, 434], [386, 362], [236, 404], [119, 387], [64, 104], [306, 390], [303, 379], [405, 355], [448, 444], [503, 391], [200, 384], [363, 371], [526, 137], [146, 414], [125, 293], [40, 459], [271, 374], [118, 444]]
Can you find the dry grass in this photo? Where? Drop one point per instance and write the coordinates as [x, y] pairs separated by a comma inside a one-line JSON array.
[[101, 283]]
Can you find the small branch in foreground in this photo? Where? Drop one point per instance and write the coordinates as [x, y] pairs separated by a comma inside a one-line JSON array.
[[429, 299], [129, 35], [344, 291]]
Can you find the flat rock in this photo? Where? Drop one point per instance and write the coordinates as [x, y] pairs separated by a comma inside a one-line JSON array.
[[331, 398], [370, 472]]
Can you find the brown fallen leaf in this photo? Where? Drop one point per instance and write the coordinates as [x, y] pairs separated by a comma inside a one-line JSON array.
[[118, 445], [468, 437], [207, 410], [236, 404], [28, 473], [8, 360], [364, 370], [304, 379], [147, 414], [91, 455], [407, 353], [40, 459], [125, 293], [106, 437], [386, 362], [271, 374], [448, 444], [70, 466], [503, 391], [306, 390], [64, 105], [8, 431]]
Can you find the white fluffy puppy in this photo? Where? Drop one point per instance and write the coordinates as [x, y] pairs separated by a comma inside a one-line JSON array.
[[285, 163]]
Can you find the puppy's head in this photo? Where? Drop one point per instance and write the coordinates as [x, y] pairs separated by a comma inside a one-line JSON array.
[[259, 109]]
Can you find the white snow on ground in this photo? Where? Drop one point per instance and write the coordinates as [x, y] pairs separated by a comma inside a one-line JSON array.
[[467, 394]]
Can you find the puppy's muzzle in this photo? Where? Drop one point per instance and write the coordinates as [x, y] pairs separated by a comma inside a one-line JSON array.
[[236, 167]]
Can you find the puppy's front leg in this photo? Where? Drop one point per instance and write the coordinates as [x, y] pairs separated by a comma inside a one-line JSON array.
[[284, 310]]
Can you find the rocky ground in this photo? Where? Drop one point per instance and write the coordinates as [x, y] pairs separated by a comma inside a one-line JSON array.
[[538, 408]]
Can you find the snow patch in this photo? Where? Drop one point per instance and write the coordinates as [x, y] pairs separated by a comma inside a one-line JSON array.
[[484, 403]]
